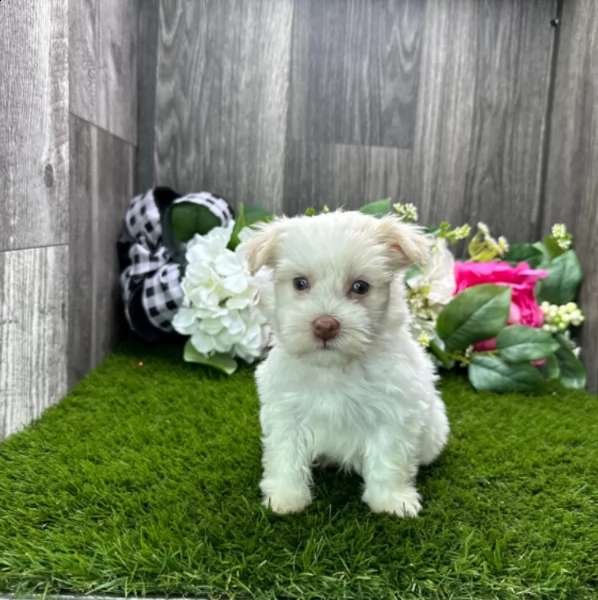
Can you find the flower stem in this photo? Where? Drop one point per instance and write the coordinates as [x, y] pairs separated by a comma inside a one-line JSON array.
[[442, 356]]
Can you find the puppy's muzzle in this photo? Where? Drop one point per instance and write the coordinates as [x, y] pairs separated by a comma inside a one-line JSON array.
[[326, 328]]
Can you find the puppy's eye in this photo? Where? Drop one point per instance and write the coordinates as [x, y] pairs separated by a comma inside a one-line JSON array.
[[360, 288], [300, 284]]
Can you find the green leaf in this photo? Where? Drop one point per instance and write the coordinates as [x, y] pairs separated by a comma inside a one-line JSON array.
[[546, 258], [562, 283], [572, 371], [525, 344], [221, 362], [433, 231], [239, 226], [477, 313], [525, 253], [412, 272], [550, 369], [256, 214], [189, 218], [552, 246], [245, 217], [377, 209], [493, 374]]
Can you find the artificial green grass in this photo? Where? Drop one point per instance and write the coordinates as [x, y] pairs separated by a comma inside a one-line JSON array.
[[145, 481]]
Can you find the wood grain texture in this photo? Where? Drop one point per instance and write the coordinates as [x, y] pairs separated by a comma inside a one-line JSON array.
[[572, 177], [513, 66], [355, 71], [103, 64], [33, 123], [147, 59], [344, 176], [98, 204], [445, 111], [223, 76], [483, 112], [33, 333]]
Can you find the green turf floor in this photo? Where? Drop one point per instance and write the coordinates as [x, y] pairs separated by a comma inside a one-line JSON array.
[[145, 481]]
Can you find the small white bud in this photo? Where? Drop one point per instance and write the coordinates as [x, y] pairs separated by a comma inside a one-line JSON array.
[[483, 228]]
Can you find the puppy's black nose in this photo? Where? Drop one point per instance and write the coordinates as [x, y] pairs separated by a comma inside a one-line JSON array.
[[326, 328]]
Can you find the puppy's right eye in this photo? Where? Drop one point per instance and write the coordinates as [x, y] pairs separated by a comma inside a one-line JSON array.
[[300, 284]]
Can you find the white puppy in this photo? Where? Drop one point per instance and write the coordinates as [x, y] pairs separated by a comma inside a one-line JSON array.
[[345, 382]]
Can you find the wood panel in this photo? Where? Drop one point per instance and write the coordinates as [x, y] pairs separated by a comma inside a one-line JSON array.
[[356, 70], [103, 59], [445, 110], [223, 73], [572, 177], [513, 66], [149, 20], [102, 179], [33, 333], [344, 176], [33, 123], [483, 113]]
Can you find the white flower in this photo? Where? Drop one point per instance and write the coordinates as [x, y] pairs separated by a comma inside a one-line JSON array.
[[220, 307], [424, 339], [560, 235], [438, 276], [483, 228], [244, 235], [202, 286], [208, 247], [408, 212], [431, 290], [503, 245]]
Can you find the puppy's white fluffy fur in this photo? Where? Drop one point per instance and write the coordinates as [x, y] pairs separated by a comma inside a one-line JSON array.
[[365, 400]]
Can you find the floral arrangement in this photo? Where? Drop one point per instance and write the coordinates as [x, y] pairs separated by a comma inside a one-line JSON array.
[[506, 315], [220, 306]]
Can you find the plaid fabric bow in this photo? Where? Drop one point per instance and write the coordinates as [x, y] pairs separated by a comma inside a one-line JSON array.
[[152, 259]]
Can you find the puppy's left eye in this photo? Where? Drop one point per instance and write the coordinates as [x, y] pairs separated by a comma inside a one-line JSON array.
[[360, 287], [300, 284]]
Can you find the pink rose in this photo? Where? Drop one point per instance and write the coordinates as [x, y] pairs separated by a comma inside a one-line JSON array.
[[522, 279]]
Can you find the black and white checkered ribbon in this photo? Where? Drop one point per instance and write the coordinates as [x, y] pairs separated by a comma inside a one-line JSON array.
[[152, 259]]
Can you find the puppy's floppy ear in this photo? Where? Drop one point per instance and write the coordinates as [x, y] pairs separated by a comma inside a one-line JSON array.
[[263, 244], [407, 243]]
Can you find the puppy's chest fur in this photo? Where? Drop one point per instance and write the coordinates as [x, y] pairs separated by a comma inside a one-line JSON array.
[[339, 410]]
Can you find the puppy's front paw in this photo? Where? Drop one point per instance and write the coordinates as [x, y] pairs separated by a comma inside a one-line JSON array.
[[285, 499], [402, 502]]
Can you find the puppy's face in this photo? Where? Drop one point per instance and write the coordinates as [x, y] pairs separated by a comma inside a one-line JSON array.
[[332, 278]]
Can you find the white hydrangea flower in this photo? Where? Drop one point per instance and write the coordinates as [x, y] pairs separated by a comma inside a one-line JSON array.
[[431, 290], [220, 309]]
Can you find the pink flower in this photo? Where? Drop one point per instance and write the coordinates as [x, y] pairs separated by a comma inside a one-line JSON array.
[[522, 279]]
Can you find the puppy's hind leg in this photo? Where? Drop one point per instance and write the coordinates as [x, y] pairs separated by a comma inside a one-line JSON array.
[[436, 431]]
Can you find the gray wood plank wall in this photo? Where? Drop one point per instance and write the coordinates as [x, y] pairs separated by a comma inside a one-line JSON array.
[[34, 219], [463, 107], [441, 103], [103, 138], [58, 272], [223, 77], [572, 174]]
